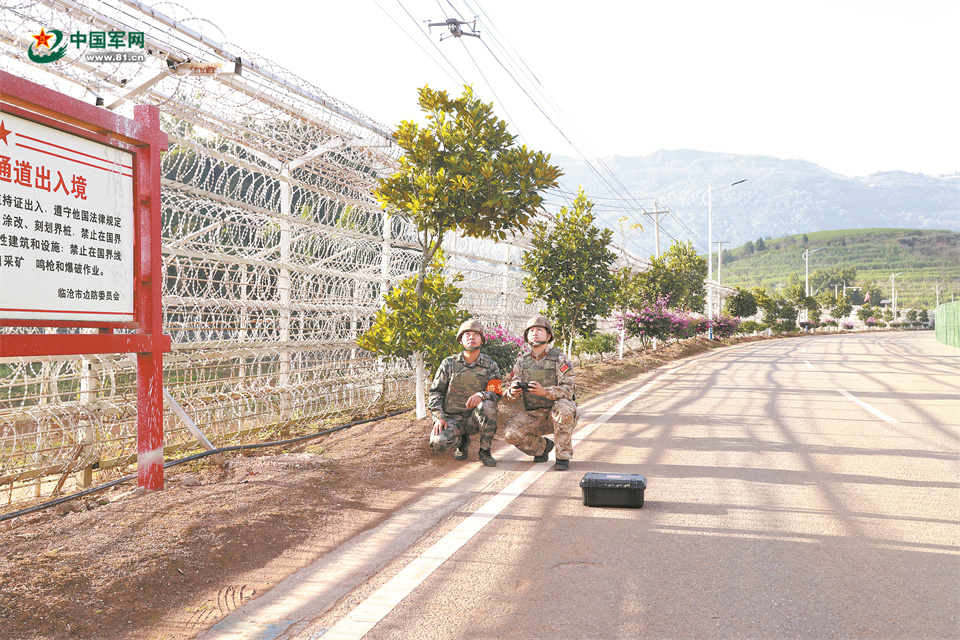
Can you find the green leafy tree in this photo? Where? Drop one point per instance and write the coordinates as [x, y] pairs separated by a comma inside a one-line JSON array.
[[569, 268], [825, 300], [815, 313], [677, 276], [596, 344], [795, 294], [741, 305], [865, 312], [785, 309], [766, 303], [830, 277], [463, 172], [412, 322], [797, 297], [841, 307], [761, 245], [460, 172]]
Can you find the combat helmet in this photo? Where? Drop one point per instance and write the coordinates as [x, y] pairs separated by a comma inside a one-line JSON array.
[[538, 321], [471, 325]]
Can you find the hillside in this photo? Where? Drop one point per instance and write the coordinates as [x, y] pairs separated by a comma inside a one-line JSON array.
[[780, 197], [924, 259]]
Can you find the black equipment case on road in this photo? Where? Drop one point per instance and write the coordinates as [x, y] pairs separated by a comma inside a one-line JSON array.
[[613, 489]]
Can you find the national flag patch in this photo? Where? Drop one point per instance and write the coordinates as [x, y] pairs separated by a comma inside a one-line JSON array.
[[495, 385], [565, 367]]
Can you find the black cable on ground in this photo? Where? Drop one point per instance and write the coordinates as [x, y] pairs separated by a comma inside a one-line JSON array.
[[204, 454]]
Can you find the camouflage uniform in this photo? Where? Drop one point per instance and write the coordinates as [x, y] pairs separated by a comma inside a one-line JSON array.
[[556, 413], [455, 382]]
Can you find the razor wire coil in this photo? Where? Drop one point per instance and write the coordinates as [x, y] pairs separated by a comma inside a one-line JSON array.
[[275, 255]]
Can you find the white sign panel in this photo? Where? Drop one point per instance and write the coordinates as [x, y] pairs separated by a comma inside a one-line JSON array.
[[66, 226]]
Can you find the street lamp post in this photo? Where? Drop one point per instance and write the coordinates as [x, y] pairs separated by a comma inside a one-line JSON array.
[[708, 194], [937, 290], [806, 269], [893, 296], [720, 244]]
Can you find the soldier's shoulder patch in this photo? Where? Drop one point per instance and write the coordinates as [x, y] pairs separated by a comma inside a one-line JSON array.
[[565, 367]]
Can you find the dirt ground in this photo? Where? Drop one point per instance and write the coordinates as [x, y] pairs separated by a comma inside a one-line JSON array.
[[123, 564]]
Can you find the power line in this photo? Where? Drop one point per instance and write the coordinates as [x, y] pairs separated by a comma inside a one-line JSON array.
[[620, 188], [520, 73], [420, 30]]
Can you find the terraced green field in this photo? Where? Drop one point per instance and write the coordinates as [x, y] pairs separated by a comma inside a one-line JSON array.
[[924, 259]]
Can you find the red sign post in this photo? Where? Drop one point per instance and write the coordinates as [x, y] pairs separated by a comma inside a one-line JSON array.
[[80, 239]]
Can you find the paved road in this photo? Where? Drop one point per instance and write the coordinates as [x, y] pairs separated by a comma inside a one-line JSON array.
[[798, 488]]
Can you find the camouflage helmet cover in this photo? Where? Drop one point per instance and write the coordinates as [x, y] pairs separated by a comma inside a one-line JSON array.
[[471, 325], [538, 321]]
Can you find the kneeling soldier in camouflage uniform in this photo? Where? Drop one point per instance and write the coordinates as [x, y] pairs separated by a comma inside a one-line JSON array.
[[548, 398], [464, 396]]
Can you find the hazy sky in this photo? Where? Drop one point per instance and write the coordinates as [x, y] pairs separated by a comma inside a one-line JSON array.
[[854, 86]]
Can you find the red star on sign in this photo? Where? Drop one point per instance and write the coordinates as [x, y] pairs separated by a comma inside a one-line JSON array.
[[4, 132], [43, 38]]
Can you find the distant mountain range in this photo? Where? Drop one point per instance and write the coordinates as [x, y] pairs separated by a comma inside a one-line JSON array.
[[779, 197]]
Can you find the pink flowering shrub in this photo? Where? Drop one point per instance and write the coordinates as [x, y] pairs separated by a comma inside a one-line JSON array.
[[651, 322], [655, 321], [503, 347], [725, 326]]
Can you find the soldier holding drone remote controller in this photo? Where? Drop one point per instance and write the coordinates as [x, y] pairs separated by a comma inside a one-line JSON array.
[[545, 379]]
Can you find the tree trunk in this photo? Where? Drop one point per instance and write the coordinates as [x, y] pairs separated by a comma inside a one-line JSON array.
[[421, 385], [623, 334]]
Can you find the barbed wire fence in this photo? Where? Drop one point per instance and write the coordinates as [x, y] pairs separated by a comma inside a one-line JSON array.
[[275, 254]]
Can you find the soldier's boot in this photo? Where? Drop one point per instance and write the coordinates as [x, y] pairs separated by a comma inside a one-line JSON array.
[[486, 458], [461, 452], [543, 457], [561, 465]]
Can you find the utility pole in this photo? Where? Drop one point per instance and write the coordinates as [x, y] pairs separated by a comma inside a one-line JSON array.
[[707, 199], [937, 289], [656, 213]]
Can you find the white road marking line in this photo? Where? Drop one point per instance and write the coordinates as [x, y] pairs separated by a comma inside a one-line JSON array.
[[863, 404], [375, 608], [807, 362]]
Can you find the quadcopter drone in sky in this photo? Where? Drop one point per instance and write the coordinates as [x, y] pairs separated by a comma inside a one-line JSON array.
[[456, 28]]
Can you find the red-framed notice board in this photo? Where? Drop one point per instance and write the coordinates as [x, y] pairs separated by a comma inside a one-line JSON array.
[[80, 239]]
